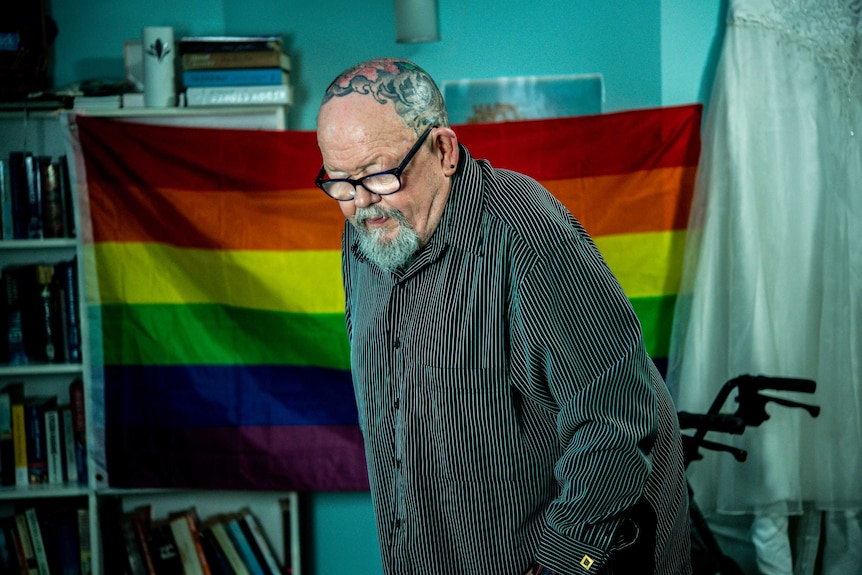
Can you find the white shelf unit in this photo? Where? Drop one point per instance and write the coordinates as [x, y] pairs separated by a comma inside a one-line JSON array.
[[42, 133]]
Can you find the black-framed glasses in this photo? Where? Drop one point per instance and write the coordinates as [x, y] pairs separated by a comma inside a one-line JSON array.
[[381, 183]]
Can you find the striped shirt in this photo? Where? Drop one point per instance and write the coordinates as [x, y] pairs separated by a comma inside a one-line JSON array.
[[510, 412]]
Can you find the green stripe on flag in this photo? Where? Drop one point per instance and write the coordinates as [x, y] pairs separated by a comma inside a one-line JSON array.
[[212, 334]]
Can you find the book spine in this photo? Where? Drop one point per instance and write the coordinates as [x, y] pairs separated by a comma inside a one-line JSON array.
[[70, 457], [18, 194], [239, 95], [16, 351], [51, 184], [85, 553], [35, 229], [19, 438], [265, 553], [227, 546], [243, 546], [235, 77], [32, 568], [37, 457], [187, 547], [7, 446], [230, 60], [79, 427], [54, 446], [44, 315], [134, 553], [37, 541], [69, 271], [247, 44]]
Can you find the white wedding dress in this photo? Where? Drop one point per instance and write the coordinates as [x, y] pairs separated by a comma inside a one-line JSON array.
[[772, 281]]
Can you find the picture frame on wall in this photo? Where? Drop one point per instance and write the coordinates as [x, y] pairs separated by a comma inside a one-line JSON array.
[[523, 98]]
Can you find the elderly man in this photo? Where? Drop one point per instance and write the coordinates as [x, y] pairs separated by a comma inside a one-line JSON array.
[[513, 420]]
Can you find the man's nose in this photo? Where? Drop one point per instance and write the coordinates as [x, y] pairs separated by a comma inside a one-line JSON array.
[[364, 198]]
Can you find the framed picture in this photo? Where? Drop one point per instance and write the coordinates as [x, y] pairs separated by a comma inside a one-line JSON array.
[[523, 98]]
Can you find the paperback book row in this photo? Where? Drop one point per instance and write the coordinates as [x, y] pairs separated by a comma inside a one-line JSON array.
[[48, 539], [42, 439], [37, 199], [40, 310], [235, 70], [183, 544]]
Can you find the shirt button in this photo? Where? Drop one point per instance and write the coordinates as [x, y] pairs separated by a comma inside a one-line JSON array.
[[397, 344]]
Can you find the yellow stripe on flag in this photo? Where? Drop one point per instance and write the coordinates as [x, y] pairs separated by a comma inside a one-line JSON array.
[[286, 281], [647, 264]]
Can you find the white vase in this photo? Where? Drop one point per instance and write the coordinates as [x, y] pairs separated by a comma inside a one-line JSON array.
[[159, 54]]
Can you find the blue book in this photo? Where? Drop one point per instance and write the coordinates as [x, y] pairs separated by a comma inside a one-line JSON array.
[[235, 77], [243, 546]]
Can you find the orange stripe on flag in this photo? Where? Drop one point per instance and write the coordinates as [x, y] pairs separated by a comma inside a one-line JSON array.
[[298, 219], [654, 200]]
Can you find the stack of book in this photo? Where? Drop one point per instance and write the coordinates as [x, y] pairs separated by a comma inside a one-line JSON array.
[[235, 70], [225, 544], [46, 538], [36, 197], [42, 437]]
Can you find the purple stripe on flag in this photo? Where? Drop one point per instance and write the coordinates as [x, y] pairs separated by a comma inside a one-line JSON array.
[[277, 458]]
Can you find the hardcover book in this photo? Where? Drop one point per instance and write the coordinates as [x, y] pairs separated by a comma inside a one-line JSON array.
[[235, 77], [9, 394], [230, 60], [54, 445], [210, 44], [37, 445], [281, 95], [184, 526]]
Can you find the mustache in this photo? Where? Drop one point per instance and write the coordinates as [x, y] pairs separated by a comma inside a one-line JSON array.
[[363, 214]]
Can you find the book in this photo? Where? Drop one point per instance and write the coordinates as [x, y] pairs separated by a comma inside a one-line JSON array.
[[243, 545], [37, 541], [32, 568], [34, 224], [230, 60], [134, 552], [215, 525], [9, 562], [142, 518], [64, 528], [211, 44], [53, 197], [79, 427], [239, 95], [67, 273], [14, 349], [54, 445], [235, 77], [85, 552], [18, 194], [260, 543], [19, 441], [216, 559], [37, 447], [10, 393], [164, 551], [70, 453], [184, 526], [36, 313]]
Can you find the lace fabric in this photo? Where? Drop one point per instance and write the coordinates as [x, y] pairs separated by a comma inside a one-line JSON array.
[[772, 280]]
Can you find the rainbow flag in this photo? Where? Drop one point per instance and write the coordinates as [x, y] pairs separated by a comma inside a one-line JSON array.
[[214, 280]]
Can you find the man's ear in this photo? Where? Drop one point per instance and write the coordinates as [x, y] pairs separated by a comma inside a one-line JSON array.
[[447, 150]]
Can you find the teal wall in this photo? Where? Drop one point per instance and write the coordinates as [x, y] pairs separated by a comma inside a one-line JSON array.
[[651, 53]]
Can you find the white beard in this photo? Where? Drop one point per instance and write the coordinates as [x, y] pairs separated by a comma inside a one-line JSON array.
[[389, 254]]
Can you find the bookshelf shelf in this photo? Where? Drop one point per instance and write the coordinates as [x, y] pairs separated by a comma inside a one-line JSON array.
[[12, 493], [37, 369]]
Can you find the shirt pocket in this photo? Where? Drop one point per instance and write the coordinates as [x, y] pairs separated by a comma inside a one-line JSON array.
[[474, 424]]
